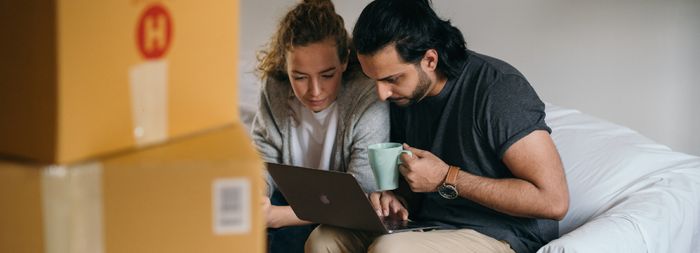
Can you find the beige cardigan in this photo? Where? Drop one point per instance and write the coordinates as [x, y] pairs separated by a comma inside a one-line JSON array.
[[362, 120]]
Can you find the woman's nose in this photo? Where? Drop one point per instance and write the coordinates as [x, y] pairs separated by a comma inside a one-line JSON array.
[[315, 87]]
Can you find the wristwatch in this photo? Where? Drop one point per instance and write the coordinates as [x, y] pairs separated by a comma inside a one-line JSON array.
[[448, 189]]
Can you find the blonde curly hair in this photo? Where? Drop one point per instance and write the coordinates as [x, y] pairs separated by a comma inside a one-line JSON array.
[[308, 22]]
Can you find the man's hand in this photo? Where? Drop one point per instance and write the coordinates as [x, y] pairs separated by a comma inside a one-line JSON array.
[[424, 172], [387, 204]]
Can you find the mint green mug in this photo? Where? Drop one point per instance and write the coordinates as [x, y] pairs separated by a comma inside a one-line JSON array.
[[384, 160]]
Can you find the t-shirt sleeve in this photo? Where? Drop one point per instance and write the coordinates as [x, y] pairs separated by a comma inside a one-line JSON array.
[[511, 110]]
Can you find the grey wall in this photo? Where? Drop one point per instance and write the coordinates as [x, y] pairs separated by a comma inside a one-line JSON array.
[[635, 63]]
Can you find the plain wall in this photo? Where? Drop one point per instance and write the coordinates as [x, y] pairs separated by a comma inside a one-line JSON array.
[[635, 63]]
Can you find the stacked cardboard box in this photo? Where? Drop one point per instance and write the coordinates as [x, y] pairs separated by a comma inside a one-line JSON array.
[[194, 194], [118, 129], [85, 78]]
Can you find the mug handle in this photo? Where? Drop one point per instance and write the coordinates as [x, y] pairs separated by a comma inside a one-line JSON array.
[[398, 159]]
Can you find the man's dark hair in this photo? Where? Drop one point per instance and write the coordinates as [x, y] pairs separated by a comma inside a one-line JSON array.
[[414, 27]]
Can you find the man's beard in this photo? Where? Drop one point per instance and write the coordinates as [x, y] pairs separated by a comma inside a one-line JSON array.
[[419, 93]]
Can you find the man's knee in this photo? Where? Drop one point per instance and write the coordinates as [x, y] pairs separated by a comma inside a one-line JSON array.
[[323, 239], [391, 244]]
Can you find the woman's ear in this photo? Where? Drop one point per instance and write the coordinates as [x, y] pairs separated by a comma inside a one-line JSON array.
[[344, 66], [430, 59]]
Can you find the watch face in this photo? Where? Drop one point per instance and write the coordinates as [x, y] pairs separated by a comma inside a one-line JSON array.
[[448, 191]]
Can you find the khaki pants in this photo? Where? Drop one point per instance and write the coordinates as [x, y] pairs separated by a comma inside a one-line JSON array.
[[332, 239]]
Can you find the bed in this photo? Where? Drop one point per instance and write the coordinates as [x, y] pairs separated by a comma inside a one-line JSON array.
[[628, 193]]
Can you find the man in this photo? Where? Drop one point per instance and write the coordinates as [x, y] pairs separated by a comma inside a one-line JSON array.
[[484, 164]]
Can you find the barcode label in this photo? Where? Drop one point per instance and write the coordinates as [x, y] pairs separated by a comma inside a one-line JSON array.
[[231, 206]]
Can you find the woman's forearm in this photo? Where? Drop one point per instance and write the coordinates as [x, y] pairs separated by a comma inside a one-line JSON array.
[[283, 216]]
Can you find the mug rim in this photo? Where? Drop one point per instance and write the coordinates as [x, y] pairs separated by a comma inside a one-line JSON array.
[[384, 145]]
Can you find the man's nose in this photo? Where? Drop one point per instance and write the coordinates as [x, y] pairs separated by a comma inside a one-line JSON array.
[[383, 91]]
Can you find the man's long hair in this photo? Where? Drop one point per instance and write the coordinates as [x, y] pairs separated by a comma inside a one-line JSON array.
[[413, 27]]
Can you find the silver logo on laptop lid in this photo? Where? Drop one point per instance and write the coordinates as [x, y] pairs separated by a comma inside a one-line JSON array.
[[325, 200]]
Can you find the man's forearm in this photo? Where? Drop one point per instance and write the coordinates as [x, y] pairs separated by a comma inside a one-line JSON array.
[[512, 196]]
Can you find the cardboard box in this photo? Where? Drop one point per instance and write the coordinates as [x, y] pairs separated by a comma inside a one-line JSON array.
[[196, 194], [80, 78]]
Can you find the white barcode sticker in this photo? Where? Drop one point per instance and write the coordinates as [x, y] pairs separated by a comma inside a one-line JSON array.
[[232, 204]]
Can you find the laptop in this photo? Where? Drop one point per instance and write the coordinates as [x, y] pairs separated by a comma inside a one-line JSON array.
[[334, 198]]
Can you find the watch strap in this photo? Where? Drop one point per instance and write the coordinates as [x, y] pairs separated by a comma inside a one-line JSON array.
[[451, 178]]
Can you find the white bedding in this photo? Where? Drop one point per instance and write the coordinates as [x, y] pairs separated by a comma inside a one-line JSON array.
[[628, 194]]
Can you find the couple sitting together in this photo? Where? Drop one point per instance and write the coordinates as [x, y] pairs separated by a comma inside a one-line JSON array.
[[459, 112]]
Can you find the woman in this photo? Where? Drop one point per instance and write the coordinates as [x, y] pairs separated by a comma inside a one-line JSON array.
[[316, 110]]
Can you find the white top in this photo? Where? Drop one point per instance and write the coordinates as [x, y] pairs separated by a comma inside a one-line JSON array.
[[313, 136]]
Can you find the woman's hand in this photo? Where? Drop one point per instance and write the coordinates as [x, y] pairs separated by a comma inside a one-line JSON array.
[[267, 211], [388, 205], [279, 216]]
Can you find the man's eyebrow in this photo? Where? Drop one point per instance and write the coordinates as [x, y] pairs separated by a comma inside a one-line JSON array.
[[389, 77]]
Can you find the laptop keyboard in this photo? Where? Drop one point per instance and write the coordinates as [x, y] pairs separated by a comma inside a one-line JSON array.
[[394, 224]]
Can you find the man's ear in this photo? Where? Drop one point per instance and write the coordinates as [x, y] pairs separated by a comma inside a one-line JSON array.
[[430, 59]]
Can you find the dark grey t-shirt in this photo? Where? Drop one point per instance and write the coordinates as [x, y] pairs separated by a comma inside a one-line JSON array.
[[470, 124]]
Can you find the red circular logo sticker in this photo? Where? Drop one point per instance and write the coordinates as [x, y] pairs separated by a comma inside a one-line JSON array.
[[154, 32]]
